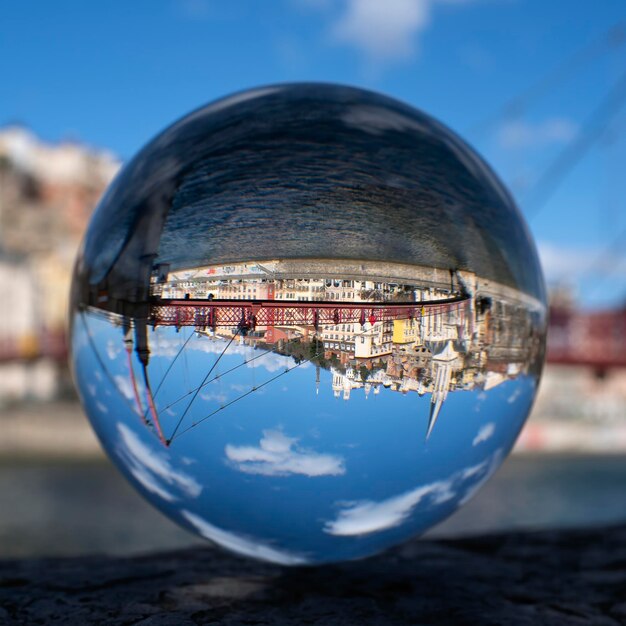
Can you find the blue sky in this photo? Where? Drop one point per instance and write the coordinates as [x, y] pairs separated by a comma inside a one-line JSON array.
[[114, 74]]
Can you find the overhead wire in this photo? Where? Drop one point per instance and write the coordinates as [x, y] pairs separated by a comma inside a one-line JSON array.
[[171, 365], [152, 408], [104, 368], [593, 128], [423, 313], [611, 39], [195, 395], [257, 387], [218, 376], [243, 395]]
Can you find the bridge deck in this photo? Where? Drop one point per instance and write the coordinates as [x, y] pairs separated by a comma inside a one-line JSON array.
[[300, 313]]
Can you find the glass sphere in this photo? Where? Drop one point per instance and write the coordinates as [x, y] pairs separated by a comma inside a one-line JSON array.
[[308, 322]]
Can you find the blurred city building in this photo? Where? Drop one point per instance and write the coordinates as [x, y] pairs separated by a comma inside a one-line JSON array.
[[47, 194], [582, 399]]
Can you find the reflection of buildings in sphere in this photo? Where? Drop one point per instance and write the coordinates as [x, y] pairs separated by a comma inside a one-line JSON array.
[[472, 333]]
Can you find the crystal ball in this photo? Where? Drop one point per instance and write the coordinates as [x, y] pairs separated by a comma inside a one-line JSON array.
[[307, 322]]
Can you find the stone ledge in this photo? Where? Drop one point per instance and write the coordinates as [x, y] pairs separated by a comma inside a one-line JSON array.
[[548, 577]]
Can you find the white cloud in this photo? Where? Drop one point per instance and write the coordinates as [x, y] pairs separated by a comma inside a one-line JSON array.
[[242, 545], [519, 134], [219, 398], [239, 388], [376, 120], [125, 387], [153, 468], [473, 470], [492, 465], [112, 350], [486, 432], [384, 30], [272, 362], [279, 455], [570, 264], [515, 395], [220, 105], [368, 516]]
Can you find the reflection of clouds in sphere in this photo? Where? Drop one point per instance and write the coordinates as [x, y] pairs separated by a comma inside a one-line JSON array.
[[124, 386], [270, 361], [279, 455], [364, 517], [241, 545], [154, 470], [307, 323], [485, 433]]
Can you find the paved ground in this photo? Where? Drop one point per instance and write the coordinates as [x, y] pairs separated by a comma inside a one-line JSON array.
[[556, 577]]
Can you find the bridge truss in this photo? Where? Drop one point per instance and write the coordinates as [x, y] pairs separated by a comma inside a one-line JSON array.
[[248, 314]]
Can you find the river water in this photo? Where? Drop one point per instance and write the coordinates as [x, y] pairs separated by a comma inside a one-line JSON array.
[[80, 507], [311, 172]]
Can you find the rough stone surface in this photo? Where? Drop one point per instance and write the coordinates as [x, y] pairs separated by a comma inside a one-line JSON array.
[[549, 577]]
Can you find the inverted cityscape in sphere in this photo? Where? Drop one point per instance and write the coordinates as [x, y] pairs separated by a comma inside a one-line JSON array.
[[308, 322]]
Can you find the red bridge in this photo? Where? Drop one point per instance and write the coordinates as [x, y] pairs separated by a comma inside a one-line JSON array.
[[250, 313], [575, 338], [596, 339]]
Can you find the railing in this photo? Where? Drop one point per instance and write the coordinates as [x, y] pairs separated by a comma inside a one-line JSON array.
[[250, 313], [584, 339]]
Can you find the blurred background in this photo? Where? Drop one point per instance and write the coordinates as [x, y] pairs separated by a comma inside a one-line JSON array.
[[539, 89]]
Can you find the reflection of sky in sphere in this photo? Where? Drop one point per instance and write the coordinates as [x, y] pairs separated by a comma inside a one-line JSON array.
[[285, 473]]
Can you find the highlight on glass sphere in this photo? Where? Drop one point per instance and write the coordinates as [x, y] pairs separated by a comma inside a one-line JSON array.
[[308, 322]]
